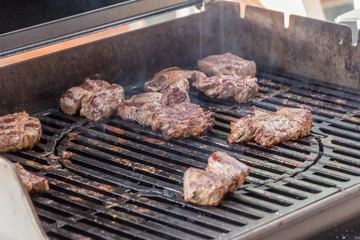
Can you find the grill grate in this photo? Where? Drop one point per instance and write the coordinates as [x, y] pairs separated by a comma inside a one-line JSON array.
[[125, 180]]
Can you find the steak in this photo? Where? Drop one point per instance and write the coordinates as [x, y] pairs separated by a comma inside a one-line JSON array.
[[70, 102], [230, 76], [204, 188], [95, 99], [174, 96], [242, 89], [182, 120], [270, 128], [19, 131], [145, 114], [127, 110], [32, 182], [170, 112], [228, 167], [142, 107], [223, 174], [173, 77], [226, 64]]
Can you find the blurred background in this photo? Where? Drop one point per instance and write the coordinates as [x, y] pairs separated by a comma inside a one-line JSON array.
[[340, 11]]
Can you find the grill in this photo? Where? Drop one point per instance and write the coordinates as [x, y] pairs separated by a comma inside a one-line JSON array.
[[120, 179]]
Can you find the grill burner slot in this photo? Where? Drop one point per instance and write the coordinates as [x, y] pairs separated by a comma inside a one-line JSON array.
[[125, 180]]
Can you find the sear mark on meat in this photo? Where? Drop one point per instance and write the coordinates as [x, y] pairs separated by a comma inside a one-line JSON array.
[[226, 64], [103, 103], [270, 128], [127, 110], [146, 113], [230, 76], [182, 120], [225, 165], [223, 174], [94, 99], [170, 78], [142, 107], [19, 131], [204, 188], [32, 182], [242, 89], [174, 96], [70, 102], [170, 112]]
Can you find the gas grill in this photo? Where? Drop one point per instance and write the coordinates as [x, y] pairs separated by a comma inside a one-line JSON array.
[[115, 179]]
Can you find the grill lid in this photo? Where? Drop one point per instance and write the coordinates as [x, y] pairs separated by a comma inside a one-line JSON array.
[[36, 24], [120, 179]]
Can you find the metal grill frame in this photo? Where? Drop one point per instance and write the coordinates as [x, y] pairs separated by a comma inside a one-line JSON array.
[[126, 180], [185, 40]]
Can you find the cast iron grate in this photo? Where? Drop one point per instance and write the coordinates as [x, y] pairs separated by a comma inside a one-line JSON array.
[[120, 179]]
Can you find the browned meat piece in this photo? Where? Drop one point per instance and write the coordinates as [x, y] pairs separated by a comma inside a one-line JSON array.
[[173, 77], [94, 85], [223, 174], [174, 96], [172, 113], [271, 128], [230, 76], [141, 107], [127, 109], [95, 99], [144, 115], [70, 102], [182, 120], [31, 182], [227, 64], [225, 165], [19, 131], [242, 89], [204, 188], [301, 117], [103, 103]]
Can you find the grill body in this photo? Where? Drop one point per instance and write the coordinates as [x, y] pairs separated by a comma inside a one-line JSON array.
[[122, 180]]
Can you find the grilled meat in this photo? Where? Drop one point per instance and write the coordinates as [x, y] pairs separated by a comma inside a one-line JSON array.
[[70, 102], [19, 131], [271, 128], [242, 89], [301, 117], [174, 96], [94, 85], [204, 188], [95, 99], [230, 76], [223, 174], [228, 167], [102, 104], [170, 112], [141, 107], [127, 110], [32, 182], [182, 120], [227, 64], [144, 115], [173, 77]]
